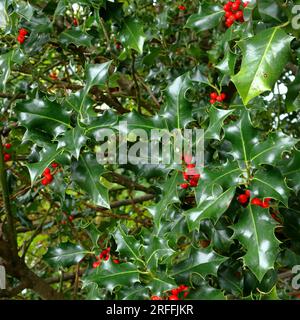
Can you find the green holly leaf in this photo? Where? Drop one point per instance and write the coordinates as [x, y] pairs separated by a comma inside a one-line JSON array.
[[292, 97], [128, 246], [65, 255], [169, 197], [205, 19], [269, 10], [177, 111], [44, 116], [75, 36], [111, 275], [211, 208], [291, 170], [96, 74], [226, 66], [95, 126], [47, 155], [205, 292], [134, 293], [156, 250], [5, 67], [86, 173], [161, 283], [264, 57], [216, 119], [269, 183], [132, 35], [255, 231], [200, 261], [270, 151], [243, 136], [72, 141]]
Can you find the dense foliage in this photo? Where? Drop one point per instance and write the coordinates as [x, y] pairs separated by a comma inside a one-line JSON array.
[[73, 228]]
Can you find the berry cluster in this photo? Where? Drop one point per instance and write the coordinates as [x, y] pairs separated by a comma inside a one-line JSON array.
[[175, 294], [48, 176], [191, 175], [234, 12], [264, 204], [214, 97], [244, 198], [22, 35], [6, 155], [181, 8], [104, 255]]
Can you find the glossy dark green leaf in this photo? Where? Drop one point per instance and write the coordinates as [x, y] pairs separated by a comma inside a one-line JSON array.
[[292, 97], [211, 208], [216, 118], [177, 112], [255, 230], [96, 74], [204, 20], [226, 66], [169, 197], [264, 57], [65, 255], [110, 275], [4, 18], [75, 36], [161, 283], [132, 35], [5, 67], [86, 173], [46, 156], [127, 245], [291, 170], [72, 141], [270, 151], [270, 183], [269, 9], [43, 115], [200, 261]]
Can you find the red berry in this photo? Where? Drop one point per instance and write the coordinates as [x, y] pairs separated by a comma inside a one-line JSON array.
[[191, 165], [7, 146], [185, 294], [242, 199], [223, 96], [23, 32], [214, 95], [116, 261], [181, 7], [183, 287], [231, 18], [235, 6], [226, 7], [228, 14], [219, 99], [54, 165], [228, 23], [156, 298], [185, 176], [256, 202], [20, 39], [245, 4], [48, 177], [248, 193], [70, 218], [212, 101], [175, 292], [46, 171], [44, 182], [63, 222], [265, 204], [75, 22], [96, 264], [7, 157], [184, 185], [173, 297], [193, 183], [268, 199], [239, 15]]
